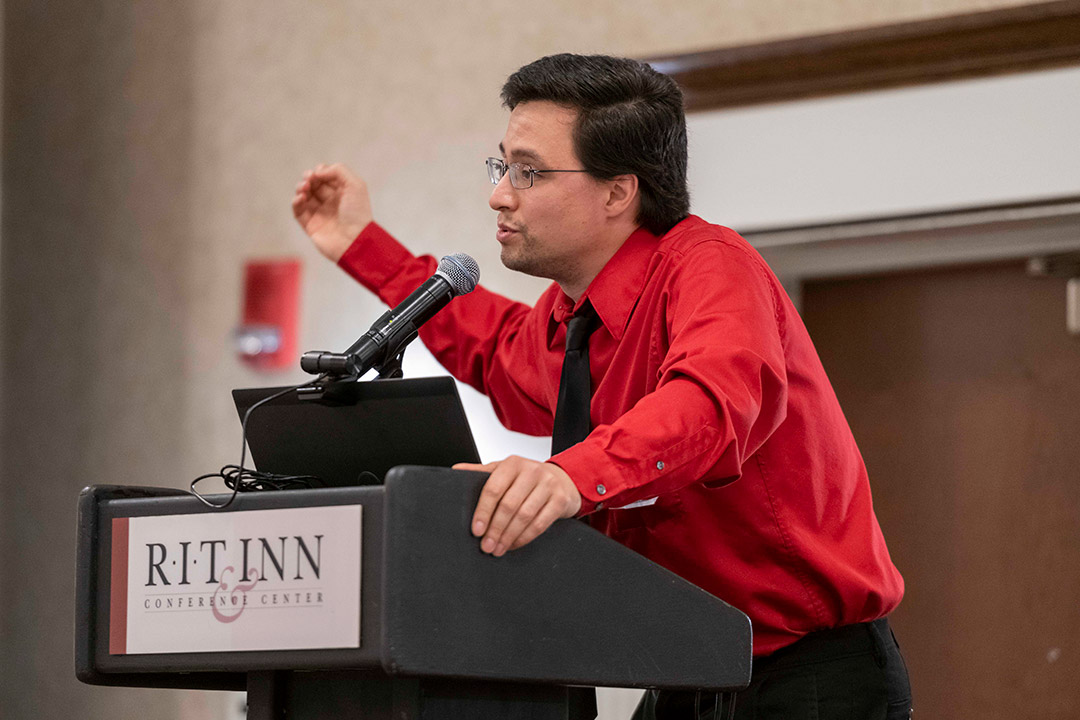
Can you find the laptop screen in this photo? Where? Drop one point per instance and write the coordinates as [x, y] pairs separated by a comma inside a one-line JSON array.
[[413, 421]]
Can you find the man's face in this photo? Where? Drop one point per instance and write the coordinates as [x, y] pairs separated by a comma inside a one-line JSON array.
[[547, 230]]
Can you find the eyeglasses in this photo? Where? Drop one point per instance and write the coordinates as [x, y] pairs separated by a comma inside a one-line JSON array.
[[521, 175]]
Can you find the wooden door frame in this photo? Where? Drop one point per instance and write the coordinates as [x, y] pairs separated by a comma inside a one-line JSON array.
[[1028, 37]]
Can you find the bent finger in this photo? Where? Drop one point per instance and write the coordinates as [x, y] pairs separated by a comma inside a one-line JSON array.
[[329, 174], [323, 191], [522, 519], [486, 467], [539, 525], [497, 483], [509, 506]]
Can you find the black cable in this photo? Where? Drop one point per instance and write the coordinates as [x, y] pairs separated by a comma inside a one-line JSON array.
[[241, 479], [251, 480]]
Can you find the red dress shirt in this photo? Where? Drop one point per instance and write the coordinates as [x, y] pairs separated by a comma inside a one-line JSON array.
[[708, 395]]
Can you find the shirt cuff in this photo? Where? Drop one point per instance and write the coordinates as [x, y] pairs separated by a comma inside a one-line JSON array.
[[589, 470], [374, 258], [604, 483]]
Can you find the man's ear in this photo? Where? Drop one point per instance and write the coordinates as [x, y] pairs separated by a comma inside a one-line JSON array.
[[622, 195]]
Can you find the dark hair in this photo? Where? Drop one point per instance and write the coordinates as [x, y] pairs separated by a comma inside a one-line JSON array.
[[630, 122]]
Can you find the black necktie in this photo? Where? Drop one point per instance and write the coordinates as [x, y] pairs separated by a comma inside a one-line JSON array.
[[575, 386], [571, 427]]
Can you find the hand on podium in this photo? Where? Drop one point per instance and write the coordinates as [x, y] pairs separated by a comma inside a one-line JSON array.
[[520, 500], [332, 205]]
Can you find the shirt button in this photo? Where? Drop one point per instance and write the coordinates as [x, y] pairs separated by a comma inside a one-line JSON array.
[[660, 465], [600, 489], [599, 506]]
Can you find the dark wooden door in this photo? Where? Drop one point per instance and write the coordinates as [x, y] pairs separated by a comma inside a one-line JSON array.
[[962, 387]]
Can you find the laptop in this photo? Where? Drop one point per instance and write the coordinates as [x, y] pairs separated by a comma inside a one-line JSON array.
[[380, 424]]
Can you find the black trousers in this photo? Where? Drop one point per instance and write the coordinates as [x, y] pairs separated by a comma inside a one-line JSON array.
[[851, 673]]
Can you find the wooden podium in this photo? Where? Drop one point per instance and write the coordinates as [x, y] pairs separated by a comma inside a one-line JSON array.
[[446, 631]]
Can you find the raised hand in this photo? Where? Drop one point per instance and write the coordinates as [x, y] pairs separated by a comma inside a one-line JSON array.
[[332, 205]]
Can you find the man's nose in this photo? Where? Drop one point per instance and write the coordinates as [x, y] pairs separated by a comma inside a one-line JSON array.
[[504, 196]]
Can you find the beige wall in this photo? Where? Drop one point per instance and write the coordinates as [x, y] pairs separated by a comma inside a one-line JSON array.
[[149, 148]]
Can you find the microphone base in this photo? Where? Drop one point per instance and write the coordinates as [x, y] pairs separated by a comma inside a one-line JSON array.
[[391, 369], [335, 391]]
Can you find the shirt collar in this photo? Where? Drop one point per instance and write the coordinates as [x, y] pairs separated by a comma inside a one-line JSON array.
[[618, 285]]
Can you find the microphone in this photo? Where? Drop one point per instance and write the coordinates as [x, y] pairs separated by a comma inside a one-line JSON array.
[[457, 275]]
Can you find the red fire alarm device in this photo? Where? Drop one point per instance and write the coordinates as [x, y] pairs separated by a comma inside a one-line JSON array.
[[267, 335]]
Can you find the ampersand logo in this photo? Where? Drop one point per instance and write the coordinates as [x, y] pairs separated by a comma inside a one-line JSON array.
[[236, 597]]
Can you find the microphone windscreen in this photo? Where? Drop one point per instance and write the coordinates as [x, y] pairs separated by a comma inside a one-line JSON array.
[[461, 271]]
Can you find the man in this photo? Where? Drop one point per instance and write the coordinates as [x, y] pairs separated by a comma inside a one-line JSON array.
[[714, 444]]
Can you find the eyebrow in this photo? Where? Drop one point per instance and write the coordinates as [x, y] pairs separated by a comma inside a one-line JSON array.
[[522, 154]]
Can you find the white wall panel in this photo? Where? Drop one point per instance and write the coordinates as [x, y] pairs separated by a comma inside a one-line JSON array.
[[928, 148]]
